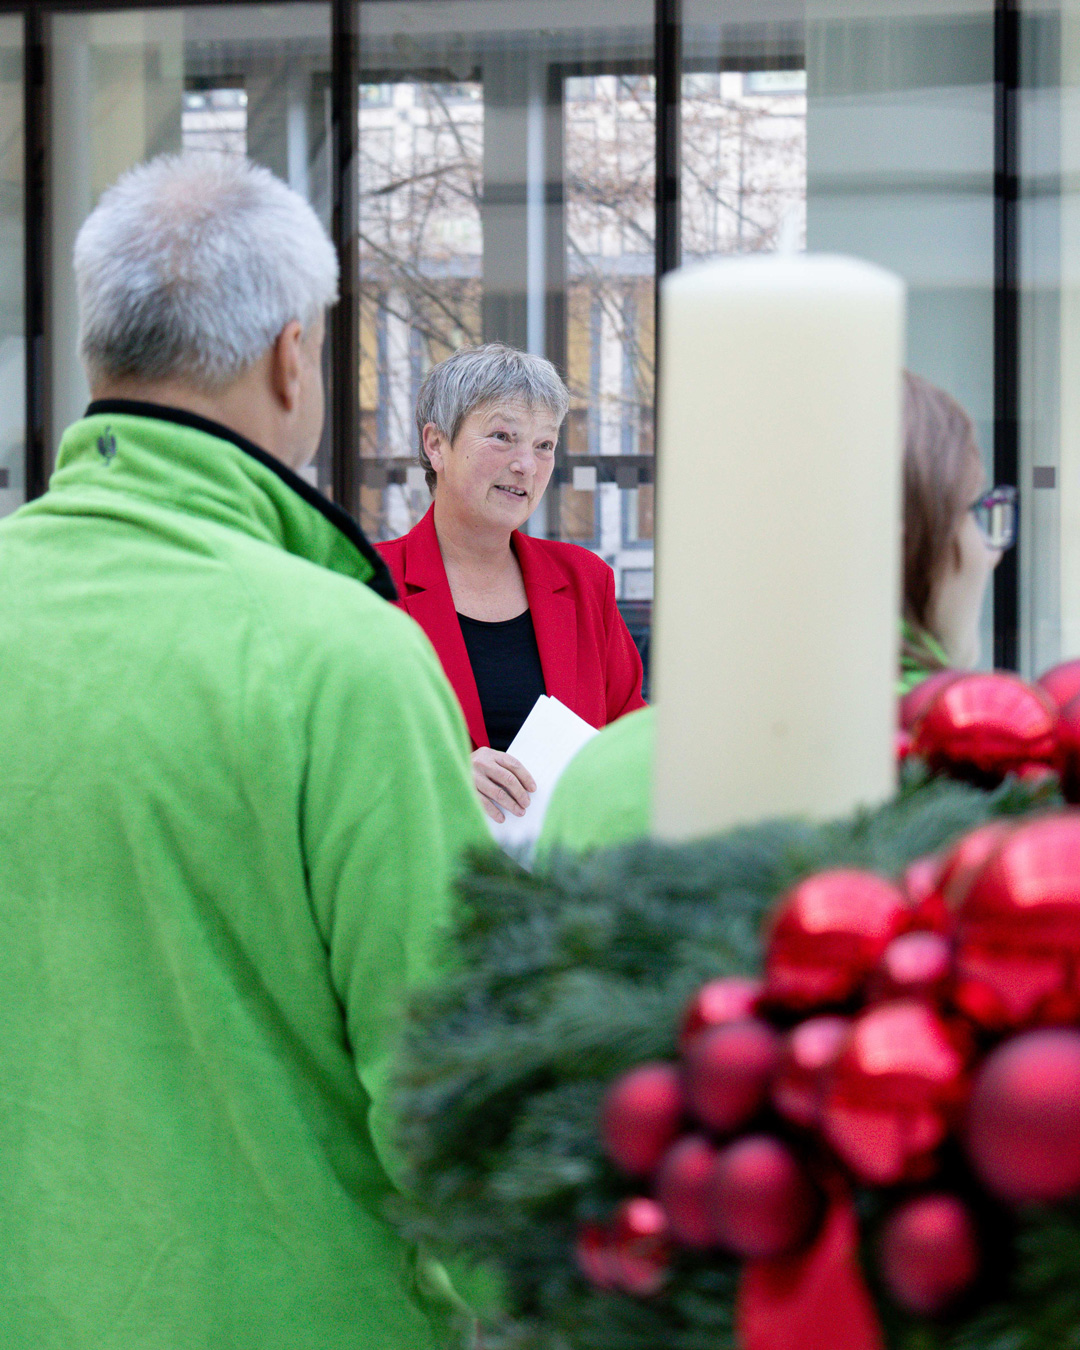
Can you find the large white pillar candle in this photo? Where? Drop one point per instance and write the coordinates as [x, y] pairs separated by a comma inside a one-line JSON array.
[[778, 541]]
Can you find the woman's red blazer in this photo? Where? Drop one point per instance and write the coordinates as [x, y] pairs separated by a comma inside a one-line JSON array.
[[588, 657]]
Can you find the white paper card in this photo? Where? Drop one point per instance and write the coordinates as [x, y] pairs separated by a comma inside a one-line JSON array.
[[549, 739]]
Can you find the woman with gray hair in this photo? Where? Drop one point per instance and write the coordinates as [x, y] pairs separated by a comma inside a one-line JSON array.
[[511, 616]]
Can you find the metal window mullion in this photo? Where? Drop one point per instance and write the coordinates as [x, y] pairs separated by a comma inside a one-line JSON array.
[[1007, 309], [36, 234], [668, 93], [345, 224]]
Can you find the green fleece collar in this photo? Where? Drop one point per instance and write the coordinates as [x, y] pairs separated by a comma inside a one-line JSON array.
[[200, 467]]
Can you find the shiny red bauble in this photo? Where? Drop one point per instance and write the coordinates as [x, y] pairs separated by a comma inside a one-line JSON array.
[[920, 883], [1061, 683], [730, 999], [916, 701], [631, 1254], [929, 1254], [913, 965], [641, 1248], [828, 934], [682, 1190], [966, 859], [983, 726], [1023, 1124], [595, 1255], [810, 1051], [1068, 750], [1018, 928], [728, 1070], [640, 1117], [763, 1203], [893, 1092]]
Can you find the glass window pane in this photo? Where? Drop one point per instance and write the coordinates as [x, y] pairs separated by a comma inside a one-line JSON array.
[[133, 84], [1049, 534], [507, 192], [863, 128], [12, 331]]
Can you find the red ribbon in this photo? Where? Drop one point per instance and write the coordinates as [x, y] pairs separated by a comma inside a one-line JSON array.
[[815, 1300]]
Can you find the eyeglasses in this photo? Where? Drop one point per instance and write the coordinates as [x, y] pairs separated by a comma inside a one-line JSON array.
[[995, 515]]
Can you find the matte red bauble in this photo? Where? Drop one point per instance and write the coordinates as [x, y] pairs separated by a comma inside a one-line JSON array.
[[1068, 755], [640, 1117], [916, 701], [828, 934], [810, 1051], [984, 726], [728, 1071], [763, 1203], [641, 1250], [1061, 683], [1018, 929], [727, 1000], [1023, 1126], [920, 884], [929, 1253], [892, 1092], [913, 965], [682, 1188]]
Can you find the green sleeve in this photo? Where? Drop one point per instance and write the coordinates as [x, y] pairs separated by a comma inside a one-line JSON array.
[[390, 808], [604, 797]]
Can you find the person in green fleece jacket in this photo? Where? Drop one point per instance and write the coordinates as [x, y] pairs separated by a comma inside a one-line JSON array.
[[235, 787]]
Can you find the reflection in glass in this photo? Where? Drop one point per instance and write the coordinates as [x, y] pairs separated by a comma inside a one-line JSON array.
[[507, 192], [743, 162], [900, 139], [127, 86]]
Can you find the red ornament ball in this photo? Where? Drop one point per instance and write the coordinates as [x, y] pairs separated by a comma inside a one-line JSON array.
[[595, 1255], [966, 859], [921, 885], [916, 701], [929, 1253], [828, 934], [913, 965], [984, 726], [641, 1250], [641, 1116], [893, 1092], [731, 999], [1068, 750], [1061, 683], [1040, 775], [728, 1071], [682, 1188], [811, 1049], [1018, 928], [1023, 1126], [763, 1203]]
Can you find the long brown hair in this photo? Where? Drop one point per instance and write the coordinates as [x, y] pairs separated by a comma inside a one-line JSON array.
[[940, 455]]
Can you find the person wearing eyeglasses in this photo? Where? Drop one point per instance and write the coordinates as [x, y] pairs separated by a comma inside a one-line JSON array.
[[955, 533]]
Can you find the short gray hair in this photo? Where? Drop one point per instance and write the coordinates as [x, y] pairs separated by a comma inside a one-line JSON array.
[[477, 376], [191, 265]]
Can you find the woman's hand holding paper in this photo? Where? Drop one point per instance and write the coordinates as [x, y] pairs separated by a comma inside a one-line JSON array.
[[505, 785]]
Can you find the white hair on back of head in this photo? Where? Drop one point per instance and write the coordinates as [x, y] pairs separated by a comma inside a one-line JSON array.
[[191, 265]]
